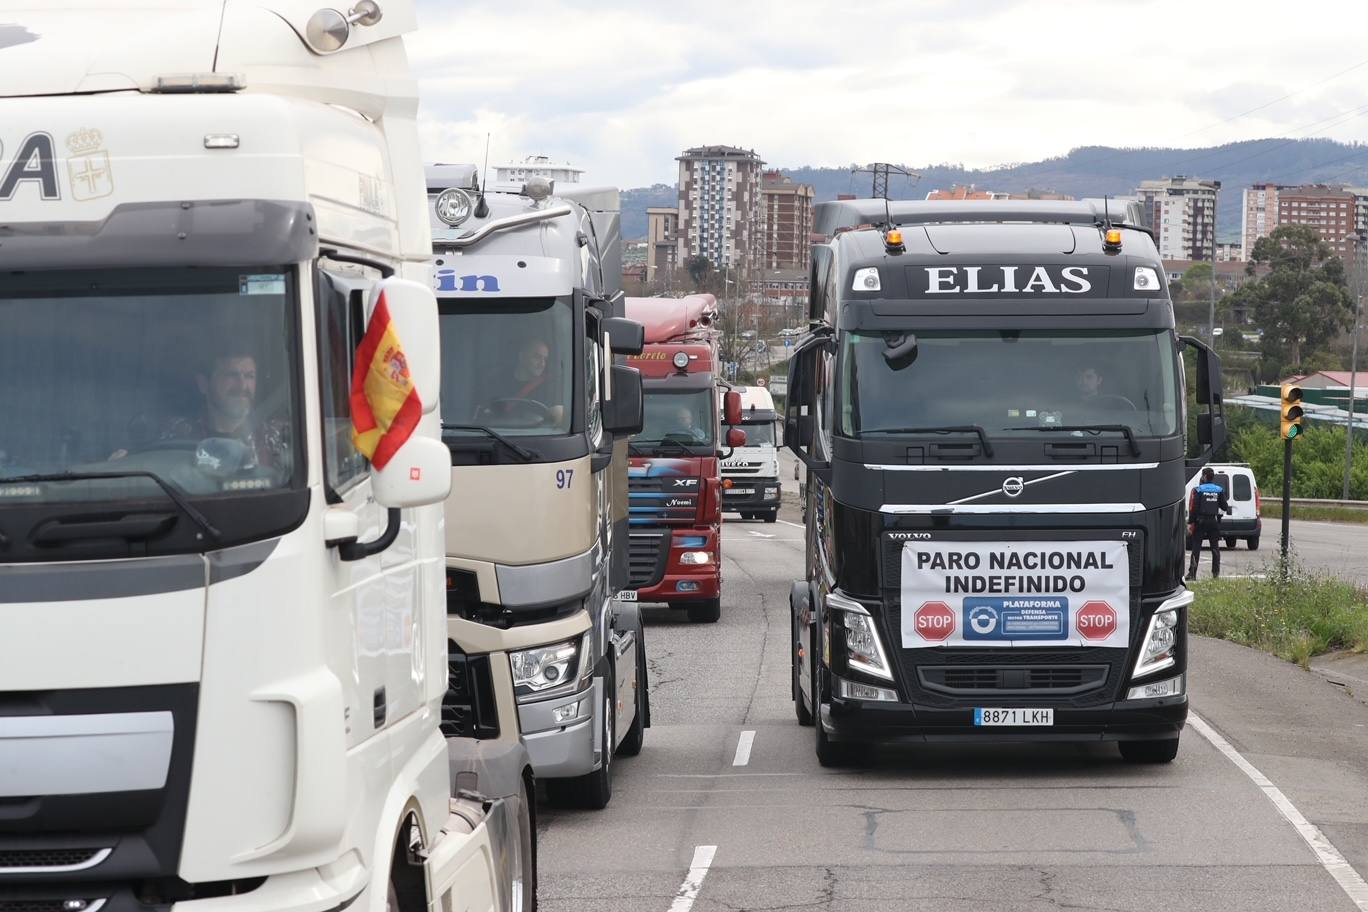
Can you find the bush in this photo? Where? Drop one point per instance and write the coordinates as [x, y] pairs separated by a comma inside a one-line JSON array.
[[1318, 459]]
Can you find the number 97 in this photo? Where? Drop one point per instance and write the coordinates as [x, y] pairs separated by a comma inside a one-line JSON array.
[[564, 477]]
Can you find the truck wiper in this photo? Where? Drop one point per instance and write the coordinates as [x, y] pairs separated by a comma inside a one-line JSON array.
[[1086, 428], [954, 429], [176, 497], [525, 454]]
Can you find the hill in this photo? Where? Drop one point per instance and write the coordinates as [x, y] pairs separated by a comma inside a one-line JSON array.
[[1093, 171]]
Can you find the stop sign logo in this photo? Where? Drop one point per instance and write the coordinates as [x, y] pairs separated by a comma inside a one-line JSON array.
[[934, 621], [1096, 621]]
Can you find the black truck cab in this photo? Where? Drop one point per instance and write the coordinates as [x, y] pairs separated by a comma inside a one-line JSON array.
[[991, 408]]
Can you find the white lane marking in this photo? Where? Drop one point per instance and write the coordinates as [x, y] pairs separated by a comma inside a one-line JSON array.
[[794, 524], [743, 748], [1330, 858], [758, 534], [693, 882]]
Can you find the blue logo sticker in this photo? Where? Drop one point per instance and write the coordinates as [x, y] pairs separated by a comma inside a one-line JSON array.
[[1005, 618]]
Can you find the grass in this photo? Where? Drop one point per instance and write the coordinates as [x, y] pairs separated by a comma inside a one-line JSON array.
[[1303, 616], [1272, 509]]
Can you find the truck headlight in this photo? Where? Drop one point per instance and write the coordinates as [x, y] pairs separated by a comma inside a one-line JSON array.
[[545, 667], [863, 649], [695, 558], [1158, 650]]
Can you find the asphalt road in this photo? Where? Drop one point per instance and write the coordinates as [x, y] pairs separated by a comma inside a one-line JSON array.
[[1016, 828]]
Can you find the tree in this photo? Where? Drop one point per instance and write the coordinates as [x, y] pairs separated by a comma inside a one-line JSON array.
[[1304, 301], [699, 267]]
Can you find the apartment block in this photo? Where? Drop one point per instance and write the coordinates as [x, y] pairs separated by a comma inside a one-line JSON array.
[[1259, 214], [662, 243], [1182, 213], [1332, 211], [786, 218], [719, 206]]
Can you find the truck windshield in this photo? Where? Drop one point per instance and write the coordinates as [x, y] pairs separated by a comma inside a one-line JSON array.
[[681, 416], [187, 375], [508, 365], [759, 433], [1011, 382]]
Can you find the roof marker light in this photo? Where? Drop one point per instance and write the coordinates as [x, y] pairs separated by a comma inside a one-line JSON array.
[[189, 83], [681, 360], [1112, 240], [221, 141]]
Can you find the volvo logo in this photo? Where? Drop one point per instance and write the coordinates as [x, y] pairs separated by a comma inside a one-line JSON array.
[[1013, 486]]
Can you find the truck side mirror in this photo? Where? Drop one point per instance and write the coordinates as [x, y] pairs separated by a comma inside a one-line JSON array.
[[1211, 425], [735, 438], [799, 423], [624, 414], [731, 409], [412, 308], [626, 337]]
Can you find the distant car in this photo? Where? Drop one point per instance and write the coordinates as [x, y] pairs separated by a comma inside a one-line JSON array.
[[790, 332], [1245, 522]]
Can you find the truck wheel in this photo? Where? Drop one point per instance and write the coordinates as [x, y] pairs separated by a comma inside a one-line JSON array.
[[708, 611], [1230, 542], [636, 735], [1252, 543], [595, 790], [523, 890], [772, 516], [1149, 751], [800, 704]]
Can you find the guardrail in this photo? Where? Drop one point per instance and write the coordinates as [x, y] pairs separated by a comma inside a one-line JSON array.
[[1318, 502]]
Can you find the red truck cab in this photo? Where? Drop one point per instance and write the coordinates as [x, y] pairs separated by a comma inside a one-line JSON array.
[[674, 479]]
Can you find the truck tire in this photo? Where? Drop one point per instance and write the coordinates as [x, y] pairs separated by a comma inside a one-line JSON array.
[[1149, 751], [800, 704], [1252, 543], [594, 790], [636, 735], [708, 611], [1230, 542], [772, 516]]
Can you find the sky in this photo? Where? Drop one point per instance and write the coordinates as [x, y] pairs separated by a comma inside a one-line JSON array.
[[621, 88]]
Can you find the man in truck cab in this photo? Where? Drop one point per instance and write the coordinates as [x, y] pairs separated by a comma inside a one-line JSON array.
[[1205, 506], [529, 382], [684, 425], [229, 390]]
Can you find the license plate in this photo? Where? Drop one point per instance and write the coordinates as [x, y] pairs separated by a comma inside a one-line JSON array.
[[626, 595], [1039, 717], [741, 491]]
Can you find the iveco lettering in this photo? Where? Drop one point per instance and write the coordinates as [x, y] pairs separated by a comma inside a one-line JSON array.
[[994, 442]]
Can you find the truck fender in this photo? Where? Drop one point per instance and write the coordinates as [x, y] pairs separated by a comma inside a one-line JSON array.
[[494, 768], [629, 618]]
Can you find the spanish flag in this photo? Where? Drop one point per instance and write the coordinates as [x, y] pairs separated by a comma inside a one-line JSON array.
[[385, 406]]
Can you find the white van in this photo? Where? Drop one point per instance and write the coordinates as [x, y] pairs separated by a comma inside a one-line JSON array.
[[1244, 522]]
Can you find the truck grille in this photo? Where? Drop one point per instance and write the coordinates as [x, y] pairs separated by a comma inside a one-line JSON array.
[[950, 677], [663, 500], [1035, 680], [745, 468], [468, 708], [647, 554], [19, 859]]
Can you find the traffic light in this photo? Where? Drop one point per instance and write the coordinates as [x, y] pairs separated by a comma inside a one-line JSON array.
[[1292, 413]]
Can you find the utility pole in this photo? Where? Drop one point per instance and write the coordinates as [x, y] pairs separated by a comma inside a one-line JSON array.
[[881, 172]]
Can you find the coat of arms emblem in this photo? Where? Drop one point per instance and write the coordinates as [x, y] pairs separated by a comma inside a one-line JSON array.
[[88, 166]]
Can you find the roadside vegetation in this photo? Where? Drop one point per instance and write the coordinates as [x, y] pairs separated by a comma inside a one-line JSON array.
[[1272, 511], [1293, 613]]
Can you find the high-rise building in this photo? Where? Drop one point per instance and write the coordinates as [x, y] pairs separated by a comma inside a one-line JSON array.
[[662, 247], [537, 166], [1332, 211], [719, 206], [786, 217], [1259, 215], [1182, 213]]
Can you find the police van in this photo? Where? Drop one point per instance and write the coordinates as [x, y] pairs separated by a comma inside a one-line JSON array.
[[990, 408], [1245, 521]]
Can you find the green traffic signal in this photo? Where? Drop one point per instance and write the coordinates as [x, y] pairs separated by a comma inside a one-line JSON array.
[[1291, 411]]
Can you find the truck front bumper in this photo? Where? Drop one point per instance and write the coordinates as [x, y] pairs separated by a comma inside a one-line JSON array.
[[689, 582], [1123, 720], [747, 494], [560, 750]]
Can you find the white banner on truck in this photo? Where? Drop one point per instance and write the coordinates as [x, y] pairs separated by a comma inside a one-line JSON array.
[[1024, 593]]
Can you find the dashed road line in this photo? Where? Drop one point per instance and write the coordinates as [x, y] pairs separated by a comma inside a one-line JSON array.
[[743, 748], [1350, 881], [693, 881]]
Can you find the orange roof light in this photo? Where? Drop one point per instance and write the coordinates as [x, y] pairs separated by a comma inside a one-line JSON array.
[[1114, 238], [894, 238]]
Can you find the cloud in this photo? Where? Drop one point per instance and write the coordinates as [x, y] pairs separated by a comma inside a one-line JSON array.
[[622, 88]]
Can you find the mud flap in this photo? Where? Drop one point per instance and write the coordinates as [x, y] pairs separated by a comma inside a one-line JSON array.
[[462, 866], [626, 641]]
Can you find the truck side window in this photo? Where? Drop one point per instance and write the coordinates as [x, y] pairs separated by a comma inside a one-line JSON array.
[[340, 329]]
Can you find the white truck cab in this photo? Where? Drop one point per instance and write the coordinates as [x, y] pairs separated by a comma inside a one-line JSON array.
[[750, 476], [225, 651]]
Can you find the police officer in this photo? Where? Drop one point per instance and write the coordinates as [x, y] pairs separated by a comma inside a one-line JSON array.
[[1205, 507]]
